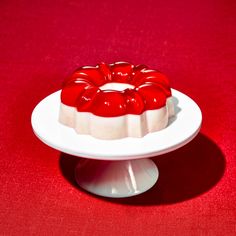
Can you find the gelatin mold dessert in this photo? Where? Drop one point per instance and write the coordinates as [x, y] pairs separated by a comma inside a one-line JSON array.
[[113, 101]]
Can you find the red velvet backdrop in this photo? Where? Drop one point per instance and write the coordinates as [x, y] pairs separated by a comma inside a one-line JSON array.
[[193, 42]]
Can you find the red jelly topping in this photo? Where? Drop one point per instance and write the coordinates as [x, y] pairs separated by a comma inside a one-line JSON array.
[[81, 90]]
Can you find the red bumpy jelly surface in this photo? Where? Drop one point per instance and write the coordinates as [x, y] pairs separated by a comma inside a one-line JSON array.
[[81, 90]]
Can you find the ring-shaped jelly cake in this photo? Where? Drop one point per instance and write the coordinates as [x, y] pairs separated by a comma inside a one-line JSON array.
[[112, 101]]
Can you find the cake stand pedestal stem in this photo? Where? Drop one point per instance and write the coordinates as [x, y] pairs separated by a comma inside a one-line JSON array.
[[116, 179]]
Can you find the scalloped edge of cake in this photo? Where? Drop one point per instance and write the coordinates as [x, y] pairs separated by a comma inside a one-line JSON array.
[[118, 127]]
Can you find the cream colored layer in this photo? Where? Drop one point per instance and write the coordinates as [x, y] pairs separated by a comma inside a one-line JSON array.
[[170, 106], [116, 86], [116, 127]]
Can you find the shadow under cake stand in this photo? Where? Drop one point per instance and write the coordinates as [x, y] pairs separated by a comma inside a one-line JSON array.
[[116, 168]]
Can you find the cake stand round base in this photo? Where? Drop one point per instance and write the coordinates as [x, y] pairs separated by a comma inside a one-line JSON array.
[[116, 179]]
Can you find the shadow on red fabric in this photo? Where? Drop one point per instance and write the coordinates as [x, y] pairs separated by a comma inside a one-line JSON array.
[[184, 174]]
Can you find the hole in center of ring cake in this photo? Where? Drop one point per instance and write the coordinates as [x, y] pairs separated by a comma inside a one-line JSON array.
[[116, 86]]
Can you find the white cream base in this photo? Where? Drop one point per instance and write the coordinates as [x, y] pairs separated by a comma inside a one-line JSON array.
[[116, 86], [116, 127]]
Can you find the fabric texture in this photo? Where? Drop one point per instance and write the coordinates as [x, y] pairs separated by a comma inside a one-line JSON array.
[[192, 42]]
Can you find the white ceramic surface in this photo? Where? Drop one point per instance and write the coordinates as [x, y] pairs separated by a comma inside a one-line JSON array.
[[181, 129], [119, 169], [116, 179]]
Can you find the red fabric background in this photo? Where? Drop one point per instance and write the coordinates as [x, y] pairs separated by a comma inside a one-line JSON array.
[[193, 42]]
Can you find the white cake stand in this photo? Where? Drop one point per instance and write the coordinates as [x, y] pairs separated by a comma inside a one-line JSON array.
[[116, 168]]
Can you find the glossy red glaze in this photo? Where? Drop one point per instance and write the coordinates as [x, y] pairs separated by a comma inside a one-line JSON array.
[[108, 103], [81, 90]]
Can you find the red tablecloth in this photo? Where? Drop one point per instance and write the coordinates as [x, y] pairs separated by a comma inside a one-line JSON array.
[[193, 42]]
